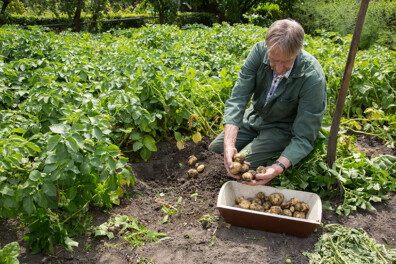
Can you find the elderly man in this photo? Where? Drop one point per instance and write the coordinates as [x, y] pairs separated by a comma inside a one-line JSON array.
[[287, 89]]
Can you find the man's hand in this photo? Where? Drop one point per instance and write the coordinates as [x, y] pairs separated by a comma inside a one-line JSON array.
[[264, 178], [271, 172], [230, 135], [228, 164]]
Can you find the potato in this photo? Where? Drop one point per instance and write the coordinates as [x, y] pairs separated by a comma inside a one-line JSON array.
[[302, 207], [266, 205], [247, 176], [253, 172], [192, 173], [285, 205], [292, 209], [200, 168], [239, 157], [261, 169], [261, 196], [275, 210], [294, 201], [192, 160], [236, 168], [239, 199], [299, 215], [256, 207], [257, 201], [276, 198], [244, 168], [287, 212], [305, 207], [245, 204]]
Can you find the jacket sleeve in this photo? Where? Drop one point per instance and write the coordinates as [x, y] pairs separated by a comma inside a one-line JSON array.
[[244, 87], [311, 108]]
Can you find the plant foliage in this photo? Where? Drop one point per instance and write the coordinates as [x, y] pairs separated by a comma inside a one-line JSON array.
[[72, 104]]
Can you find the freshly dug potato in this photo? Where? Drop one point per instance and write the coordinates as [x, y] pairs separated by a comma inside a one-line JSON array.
[[302, 207], [192, 173], [253, 172], [236, 168], [291, 202], [305, 207], [256, 207], [292, 209], [294, 201], [276, 198], [239, 157], [192, 160], [247, 176], [285, 205], [239, 200], [245, 204], [299, 215], [266, 205], [287, 212], [261, 196], [261, 169], [275, 210], [244, 168], [257, 201], [200, 168]]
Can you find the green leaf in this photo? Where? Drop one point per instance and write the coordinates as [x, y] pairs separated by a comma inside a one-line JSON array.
[[34, 175], [58, 128], [96, 133], [6, 190], [71, 143], [28, 205], [50, 168], [49, 189], [137, 145], [9, 253], [149, 143], [178, 136], [145, 154], [70, 243], [135, 136], [53, 142], [33, 146], [18, 130]]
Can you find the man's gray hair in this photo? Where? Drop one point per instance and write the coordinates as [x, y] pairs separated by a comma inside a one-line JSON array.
[[288, 34]]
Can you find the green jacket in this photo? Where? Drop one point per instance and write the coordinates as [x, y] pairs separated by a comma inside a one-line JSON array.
[[297, 106]]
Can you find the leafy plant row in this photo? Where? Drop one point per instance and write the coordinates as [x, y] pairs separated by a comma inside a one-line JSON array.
[[72, 105]]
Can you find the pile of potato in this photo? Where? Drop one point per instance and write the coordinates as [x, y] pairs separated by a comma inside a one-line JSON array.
[[198, 168], [274, 204], [240, 167]]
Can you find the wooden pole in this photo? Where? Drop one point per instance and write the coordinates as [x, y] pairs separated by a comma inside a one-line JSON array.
[[332, 145]]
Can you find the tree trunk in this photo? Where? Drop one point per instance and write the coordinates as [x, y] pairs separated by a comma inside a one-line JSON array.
[[77, 15], [4, 7]]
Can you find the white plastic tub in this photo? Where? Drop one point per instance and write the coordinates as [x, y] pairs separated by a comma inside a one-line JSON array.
[[265, 221]]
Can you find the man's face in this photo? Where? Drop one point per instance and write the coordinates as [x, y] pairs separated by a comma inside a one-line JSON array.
[[280, 63]]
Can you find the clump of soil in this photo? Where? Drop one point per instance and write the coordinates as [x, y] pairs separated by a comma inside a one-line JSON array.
[[163, 179]]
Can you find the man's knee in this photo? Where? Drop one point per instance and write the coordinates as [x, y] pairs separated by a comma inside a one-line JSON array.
[[216, 146]]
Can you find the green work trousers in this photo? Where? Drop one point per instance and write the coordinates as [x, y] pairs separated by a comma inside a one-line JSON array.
[[260, 146]]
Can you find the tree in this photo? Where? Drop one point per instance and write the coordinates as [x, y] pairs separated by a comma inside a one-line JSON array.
[[4, 6], [166, 9]]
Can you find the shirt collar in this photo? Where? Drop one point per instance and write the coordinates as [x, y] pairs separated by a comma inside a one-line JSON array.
[[286, 75]]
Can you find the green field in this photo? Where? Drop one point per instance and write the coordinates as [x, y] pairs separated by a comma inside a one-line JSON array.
[[73, 104]]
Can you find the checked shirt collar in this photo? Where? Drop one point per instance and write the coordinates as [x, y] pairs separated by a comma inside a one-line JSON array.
[[276, 79]]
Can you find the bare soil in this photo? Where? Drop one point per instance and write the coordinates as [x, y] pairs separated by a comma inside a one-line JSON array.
[[162, 180]]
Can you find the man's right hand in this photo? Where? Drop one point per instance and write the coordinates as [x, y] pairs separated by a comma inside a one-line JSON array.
[[228, 163], [230, 135]]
